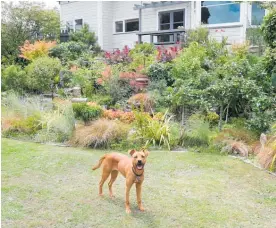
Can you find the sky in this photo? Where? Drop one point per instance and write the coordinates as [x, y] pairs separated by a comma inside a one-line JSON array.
[[48, 3]]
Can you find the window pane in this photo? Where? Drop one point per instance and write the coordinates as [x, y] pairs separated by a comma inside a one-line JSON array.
[[163, 38], [164, 18], [78, 22], [176, 25], [212, 3], [132, 25], [178, 16], [257, 14], [165, 27], [119, 26], [220, 14]]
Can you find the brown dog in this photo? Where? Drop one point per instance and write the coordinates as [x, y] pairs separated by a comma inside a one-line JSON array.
[[131, 168]]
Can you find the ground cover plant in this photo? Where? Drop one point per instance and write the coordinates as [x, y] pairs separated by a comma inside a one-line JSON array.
[[180, 190]]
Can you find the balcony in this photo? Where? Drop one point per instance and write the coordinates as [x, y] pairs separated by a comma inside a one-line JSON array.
[[164, 37]]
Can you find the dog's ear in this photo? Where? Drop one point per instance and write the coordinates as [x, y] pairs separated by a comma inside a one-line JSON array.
[[131, 152], [146, 152]]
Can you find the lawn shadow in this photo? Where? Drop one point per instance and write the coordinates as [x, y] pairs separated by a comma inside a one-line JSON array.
[[145, 216]]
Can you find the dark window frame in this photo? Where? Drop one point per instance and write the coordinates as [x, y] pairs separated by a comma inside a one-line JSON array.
[[131, 20], [171, 23], [122, 22], [78, 24]]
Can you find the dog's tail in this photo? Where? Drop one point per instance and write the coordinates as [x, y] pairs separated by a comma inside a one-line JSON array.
[[99, 163]]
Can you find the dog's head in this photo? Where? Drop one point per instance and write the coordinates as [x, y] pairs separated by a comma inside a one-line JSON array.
[[139, 158]]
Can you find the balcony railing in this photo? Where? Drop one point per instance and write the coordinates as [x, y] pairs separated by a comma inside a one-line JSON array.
[[164, 36]]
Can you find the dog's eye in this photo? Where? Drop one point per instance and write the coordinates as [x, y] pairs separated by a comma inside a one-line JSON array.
[[143, 156], [135, 157]]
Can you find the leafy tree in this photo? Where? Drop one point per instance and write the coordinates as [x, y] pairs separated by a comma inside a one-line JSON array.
[[269, 28], [43, 74], [86, 37], [68, 51], [13, 78], [25, 21], [38, 49], [142, 55]]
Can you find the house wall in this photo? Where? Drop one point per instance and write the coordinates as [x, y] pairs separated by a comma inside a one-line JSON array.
[[123, 10], [101, 17], [80, 10]]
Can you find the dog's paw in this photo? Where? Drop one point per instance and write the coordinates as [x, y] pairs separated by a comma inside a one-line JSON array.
[[128, 211], [142, 209], [112, 196], [101, 194]]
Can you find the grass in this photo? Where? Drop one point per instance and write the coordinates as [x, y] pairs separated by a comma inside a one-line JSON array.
[[48, 186]]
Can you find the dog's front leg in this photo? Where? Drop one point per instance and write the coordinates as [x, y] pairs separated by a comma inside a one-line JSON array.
[[139, 197], [128, 187]]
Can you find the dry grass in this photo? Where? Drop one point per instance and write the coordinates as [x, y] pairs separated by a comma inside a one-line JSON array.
[[236, 147], [266, 153], [100, 133]]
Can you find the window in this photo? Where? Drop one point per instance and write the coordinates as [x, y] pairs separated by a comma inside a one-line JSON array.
[[78, 24], [171, 20], [119, 26], [217, 12], [257, 14], [132, 25]]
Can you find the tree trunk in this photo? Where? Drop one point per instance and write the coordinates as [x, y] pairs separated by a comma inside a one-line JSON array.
[[220, 117], [227, 111], [182, 115]]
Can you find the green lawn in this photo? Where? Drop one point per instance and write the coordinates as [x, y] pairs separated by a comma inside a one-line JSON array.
[[48, 186]]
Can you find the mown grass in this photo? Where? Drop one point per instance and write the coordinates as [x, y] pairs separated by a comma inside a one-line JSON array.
[[48, 186]]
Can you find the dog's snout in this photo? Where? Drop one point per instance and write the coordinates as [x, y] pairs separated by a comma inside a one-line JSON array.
[[139, 161]]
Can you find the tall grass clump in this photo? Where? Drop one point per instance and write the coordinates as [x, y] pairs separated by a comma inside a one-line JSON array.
[[100, 134], [154, 130], [57, 125], [197, 132]]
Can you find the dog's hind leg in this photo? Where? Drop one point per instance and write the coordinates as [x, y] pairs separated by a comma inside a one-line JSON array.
[[114, 175], [105, 175]]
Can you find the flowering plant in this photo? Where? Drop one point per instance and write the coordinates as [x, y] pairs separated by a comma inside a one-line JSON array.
[[118, 56], [167, 54]]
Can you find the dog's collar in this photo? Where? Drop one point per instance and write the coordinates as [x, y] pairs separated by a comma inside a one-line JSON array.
[[138, 175]]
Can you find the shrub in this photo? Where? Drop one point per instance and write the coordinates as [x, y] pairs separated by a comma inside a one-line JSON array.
[[142, 99], [87, 112], [101, 133], [142, 55], [238, 134], [38, 49], [119, 90], [154, 130], [197, 132], [13, 78], [118, 56], [167, 54], [86, 37], [199, 35], [160, 71], [43, 74], [268, 28], [68, 51], [29, 125], [125, 117]]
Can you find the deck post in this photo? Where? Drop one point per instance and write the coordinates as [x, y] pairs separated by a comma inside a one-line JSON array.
[[151, 39], [139, 39]]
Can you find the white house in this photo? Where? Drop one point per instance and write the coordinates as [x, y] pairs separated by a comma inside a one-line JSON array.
[[120, 23]]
